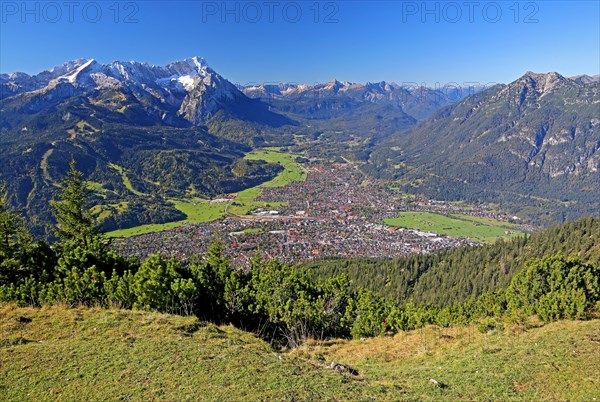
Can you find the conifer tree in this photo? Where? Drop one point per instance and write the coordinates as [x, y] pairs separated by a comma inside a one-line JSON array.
[[74, 222]]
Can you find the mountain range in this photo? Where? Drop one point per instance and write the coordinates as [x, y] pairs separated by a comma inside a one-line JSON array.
[[180, 94], [416, 101], [146, 134]]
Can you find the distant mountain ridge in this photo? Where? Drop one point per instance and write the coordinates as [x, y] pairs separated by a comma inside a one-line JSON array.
[[179, 84], [585, 79], [415, 100]]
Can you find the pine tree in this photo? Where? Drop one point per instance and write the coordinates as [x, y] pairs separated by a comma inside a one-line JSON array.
[[74, 222]]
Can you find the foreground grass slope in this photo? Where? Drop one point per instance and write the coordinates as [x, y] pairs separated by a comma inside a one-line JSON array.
[[97, 354]]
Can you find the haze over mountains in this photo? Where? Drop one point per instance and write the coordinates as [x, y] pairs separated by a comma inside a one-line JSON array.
[[183, 129]]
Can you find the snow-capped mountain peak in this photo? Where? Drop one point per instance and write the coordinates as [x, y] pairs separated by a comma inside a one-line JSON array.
[[199, 62], [71, 76], [67, 67], [189, 85]]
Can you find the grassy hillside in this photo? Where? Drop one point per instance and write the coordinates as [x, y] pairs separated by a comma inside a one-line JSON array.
[[292, 170], [97, 354], [199, 210], [196, 211]]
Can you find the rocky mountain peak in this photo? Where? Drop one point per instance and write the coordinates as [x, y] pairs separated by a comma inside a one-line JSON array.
[[189, 87], [541, 82]]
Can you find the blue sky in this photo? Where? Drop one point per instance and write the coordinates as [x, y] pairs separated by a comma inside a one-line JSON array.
[[307, 41]]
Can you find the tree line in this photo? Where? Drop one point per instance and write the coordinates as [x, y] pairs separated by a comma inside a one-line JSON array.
[[285, 304]]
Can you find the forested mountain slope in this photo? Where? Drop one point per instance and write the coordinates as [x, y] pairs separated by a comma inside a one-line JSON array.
[[456, 275], [532, 145]]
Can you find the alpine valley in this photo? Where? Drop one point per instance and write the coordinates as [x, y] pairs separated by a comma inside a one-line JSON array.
[[145, 135]]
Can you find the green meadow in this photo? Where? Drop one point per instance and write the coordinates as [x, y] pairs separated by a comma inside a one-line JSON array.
[[484, 230], [199, 210], [292, 170]]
